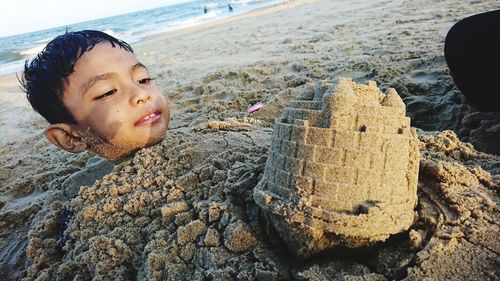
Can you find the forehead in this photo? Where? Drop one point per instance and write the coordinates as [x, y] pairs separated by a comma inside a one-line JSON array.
[[104, 58]]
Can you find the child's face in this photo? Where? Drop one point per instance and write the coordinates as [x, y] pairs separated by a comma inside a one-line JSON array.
[[116, 105]]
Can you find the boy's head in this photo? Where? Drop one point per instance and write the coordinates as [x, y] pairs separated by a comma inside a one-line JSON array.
[[96, 95]]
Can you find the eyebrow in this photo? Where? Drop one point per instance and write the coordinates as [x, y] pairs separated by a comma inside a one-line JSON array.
[[106, 76]]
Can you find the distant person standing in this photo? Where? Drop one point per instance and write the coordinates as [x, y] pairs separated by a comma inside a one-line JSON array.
[[205, 9], [229, 8]]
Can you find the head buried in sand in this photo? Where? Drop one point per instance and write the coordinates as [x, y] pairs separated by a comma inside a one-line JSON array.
[[341, 170], [96, 95]]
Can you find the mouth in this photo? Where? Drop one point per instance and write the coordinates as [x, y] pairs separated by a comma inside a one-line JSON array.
[[149, 117]]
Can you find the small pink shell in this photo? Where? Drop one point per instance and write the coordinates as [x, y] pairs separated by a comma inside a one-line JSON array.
[[255, 107]]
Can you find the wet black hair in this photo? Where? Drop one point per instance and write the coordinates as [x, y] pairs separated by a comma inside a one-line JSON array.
[[45, 76]]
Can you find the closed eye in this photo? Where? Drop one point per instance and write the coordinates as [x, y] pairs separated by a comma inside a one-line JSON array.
[[146, 81], [105, 95]]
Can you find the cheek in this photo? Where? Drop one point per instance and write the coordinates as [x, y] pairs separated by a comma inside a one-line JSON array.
[[108, 123], [165, 104], [158, 96], [116, 121]]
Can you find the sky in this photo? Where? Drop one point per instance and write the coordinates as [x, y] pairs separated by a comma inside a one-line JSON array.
[[21, 16]]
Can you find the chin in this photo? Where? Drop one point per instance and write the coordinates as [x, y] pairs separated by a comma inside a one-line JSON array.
[[158, 136], [113, 153], [156, 140], [117, 151]]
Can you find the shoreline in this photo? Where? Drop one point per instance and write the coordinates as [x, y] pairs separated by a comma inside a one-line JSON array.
[[216, 23], [204, 26]]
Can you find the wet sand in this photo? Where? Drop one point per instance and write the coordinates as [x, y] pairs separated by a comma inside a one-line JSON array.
[[183, 209]]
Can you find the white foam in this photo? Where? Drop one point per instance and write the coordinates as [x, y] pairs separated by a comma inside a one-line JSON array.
[[11, 67], [32, 51], [45, 40]]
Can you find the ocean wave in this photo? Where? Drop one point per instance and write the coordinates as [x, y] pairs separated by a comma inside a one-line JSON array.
[[212, 5], [112, 33], [249, 2], [126, 35], [191, 21], [128, 27], [44, 40], [32, 51], [11, 67], [10, 56]]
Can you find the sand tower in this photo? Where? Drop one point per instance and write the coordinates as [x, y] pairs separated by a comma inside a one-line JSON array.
[[342, 169]]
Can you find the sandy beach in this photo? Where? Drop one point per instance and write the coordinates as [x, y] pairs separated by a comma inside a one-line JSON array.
[[183, 209]]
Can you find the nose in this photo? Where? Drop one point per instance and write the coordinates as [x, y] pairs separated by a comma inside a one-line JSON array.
[[139, 95]]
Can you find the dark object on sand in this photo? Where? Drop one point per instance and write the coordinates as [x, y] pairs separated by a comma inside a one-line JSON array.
[[472, 51], [66, 216]]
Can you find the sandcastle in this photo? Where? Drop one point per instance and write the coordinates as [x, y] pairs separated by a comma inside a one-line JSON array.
[[342, 169]]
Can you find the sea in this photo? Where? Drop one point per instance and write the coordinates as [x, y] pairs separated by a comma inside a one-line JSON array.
[[131, 27]]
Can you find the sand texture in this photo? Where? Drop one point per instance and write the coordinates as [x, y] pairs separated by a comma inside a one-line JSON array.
[[184, 209], [342, 169]]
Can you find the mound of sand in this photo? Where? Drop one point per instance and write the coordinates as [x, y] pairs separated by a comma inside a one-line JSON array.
[[184, 210]]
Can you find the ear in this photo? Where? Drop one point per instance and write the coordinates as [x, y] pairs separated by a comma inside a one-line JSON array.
[[66, 136]]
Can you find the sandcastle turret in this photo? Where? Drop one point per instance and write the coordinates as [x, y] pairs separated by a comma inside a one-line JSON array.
[[341, 170]]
